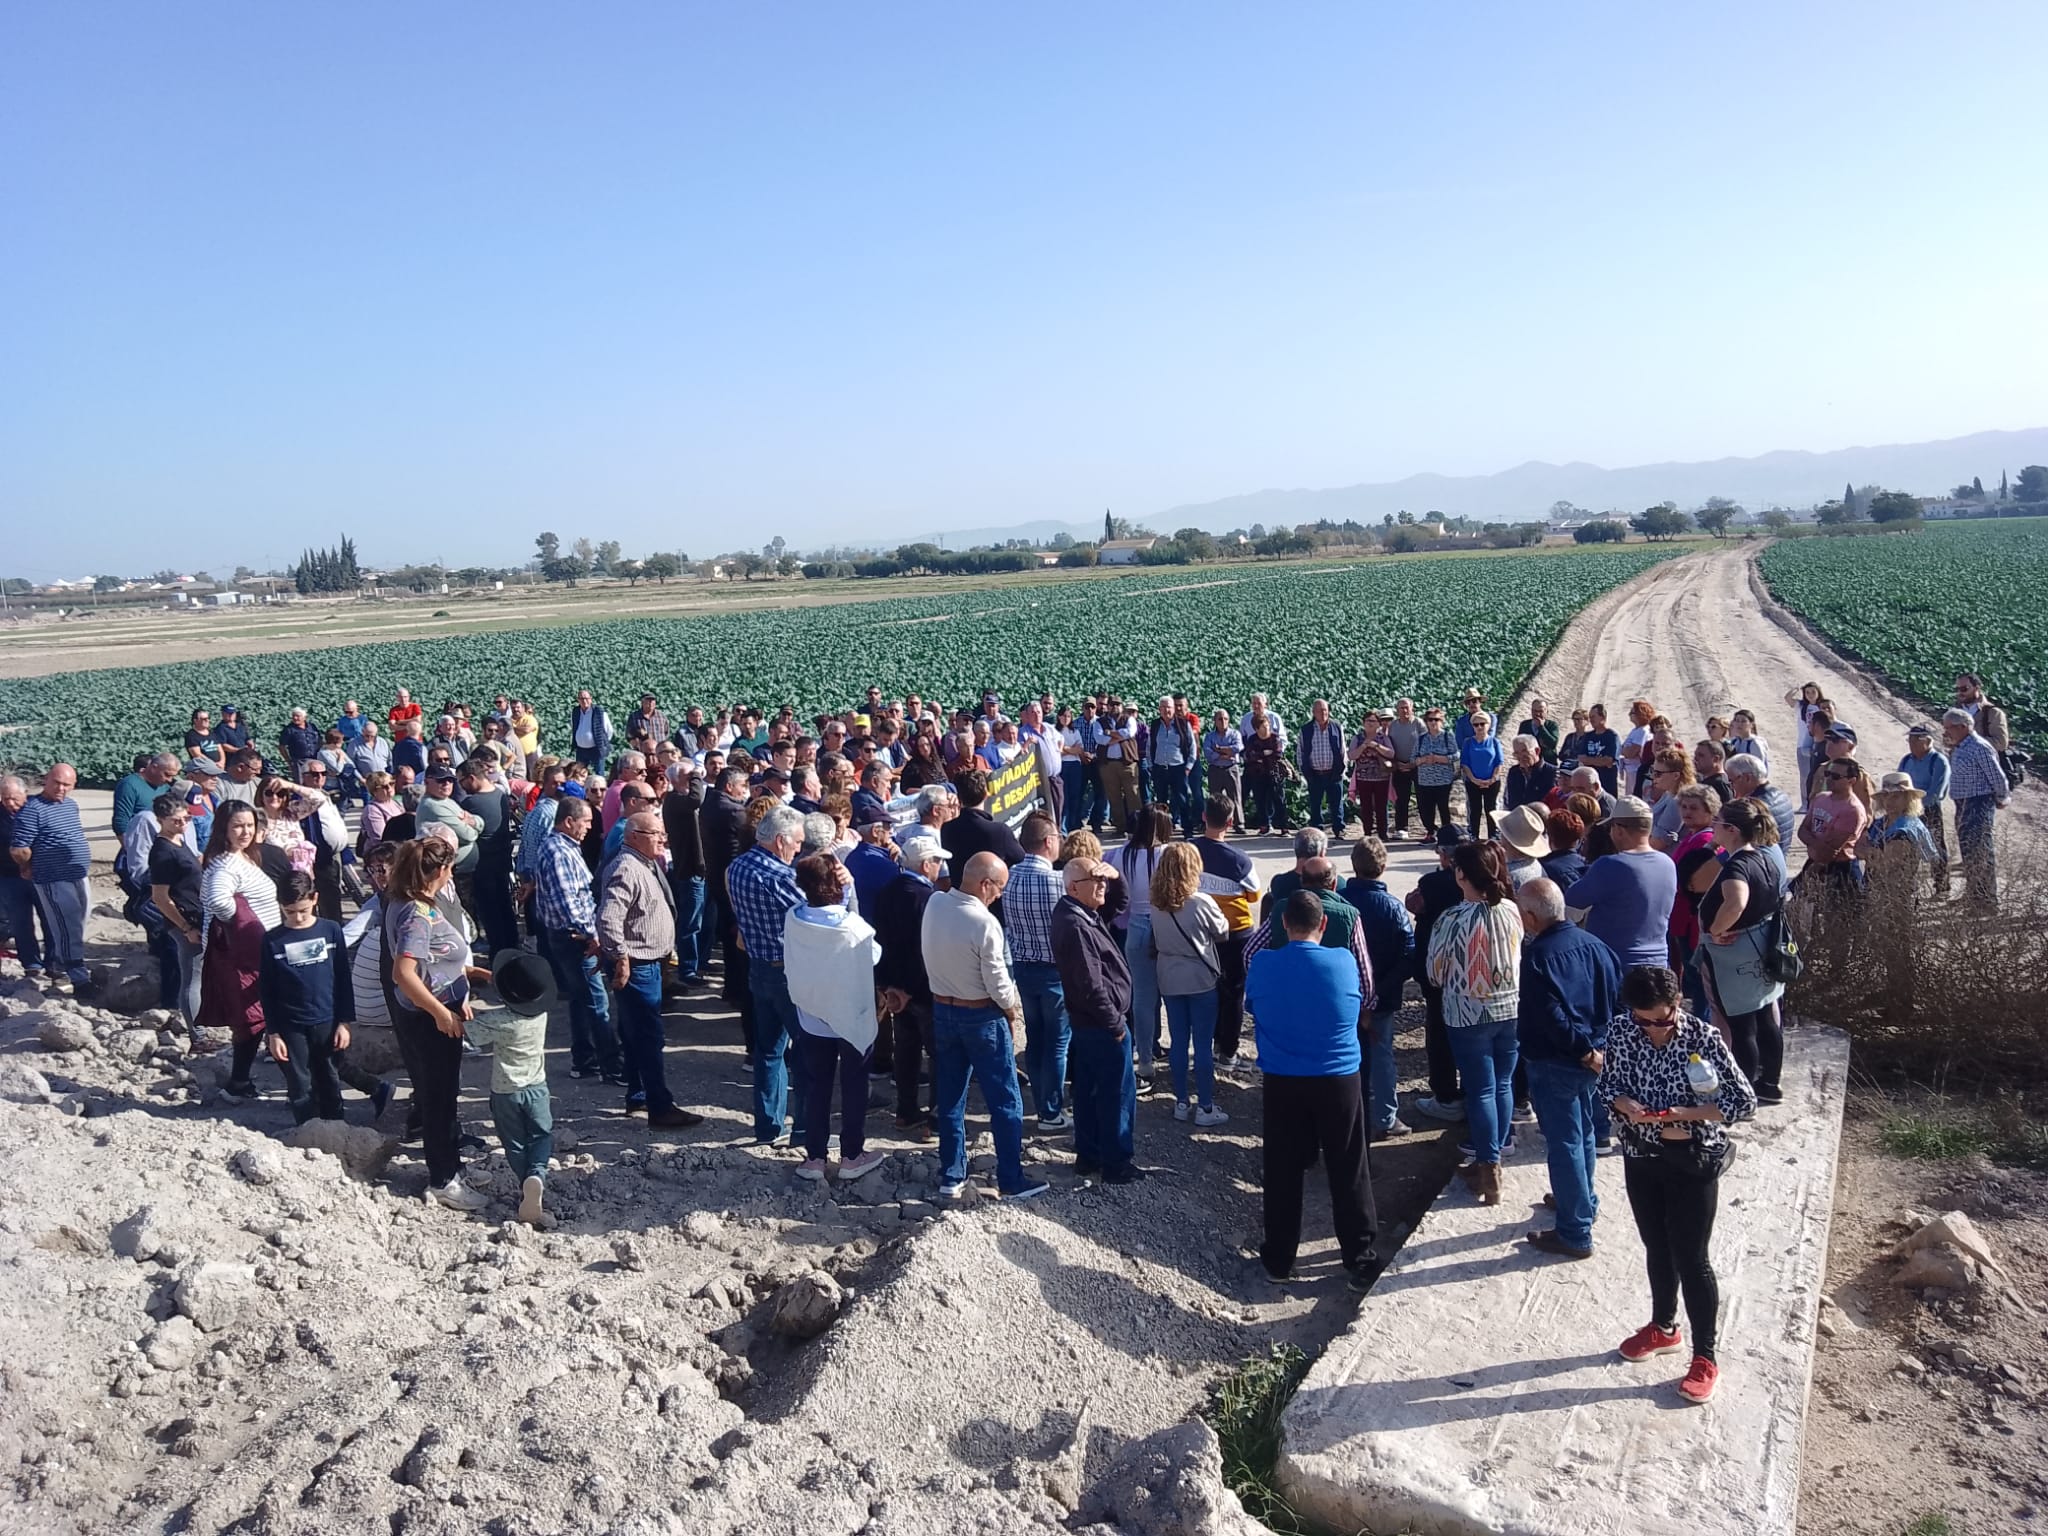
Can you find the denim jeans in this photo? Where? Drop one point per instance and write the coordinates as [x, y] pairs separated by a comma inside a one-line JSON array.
[[1562, 1096], [774, 1046], [1045, 1034], [63, 904], [1326, 789], [188, 977], [1105, 1100], [592, 1045], [1976, 847], [976, 1042], [1382, 1097], [163, 946], [1144, 991], [1170, 788], [310, 1084], [18, 904], [526, 1125], [1191, 1020], [819, 1059], [1074, 795], [689, 894], [1486, 1058], [640, 1039]]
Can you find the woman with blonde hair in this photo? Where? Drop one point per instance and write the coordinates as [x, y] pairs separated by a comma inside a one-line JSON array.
[[1898, 847], [1187, 928]]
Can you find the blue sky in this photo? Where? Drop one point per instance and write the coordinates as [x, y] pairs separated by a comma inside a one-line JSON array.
[[692, 275]]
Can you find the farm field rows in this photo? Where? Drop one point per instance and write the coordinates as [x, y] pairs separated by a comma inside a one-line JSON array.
[[1357, 635], [1921, 607]]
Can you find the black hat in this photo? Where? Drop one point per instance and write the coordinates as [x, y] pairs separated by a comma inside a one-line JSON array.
[[525, 983], [1448, 836]]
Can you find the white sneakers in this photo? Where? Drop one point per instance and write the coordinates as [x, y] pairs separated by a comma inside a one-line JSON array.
[[1207, 1117], [458, 1196]]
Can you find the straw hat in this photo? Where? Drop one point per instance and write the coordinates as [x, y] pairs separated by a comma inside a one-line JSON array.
[[1902, 784], [1522, 830]]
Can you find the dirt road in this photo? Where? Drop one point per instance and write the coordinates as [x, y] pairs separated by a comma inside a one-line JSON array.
[[1696, 637]]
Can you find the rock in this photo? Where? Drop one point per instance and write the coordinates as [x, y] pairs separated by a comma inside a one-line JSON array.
[[1907, 1365], [1942, 1268], [208, 1038], [702, 1227], [806, 1306], [174, 1345], [64, 1032], [363, 1149], [140, 1237], [256, 1165], [374, 1048], [21, 1083], [127, 991], [214, 1294], [163, 1018], [626, 1250], [1169, 1484], [133, 1044], [1955, 1231]]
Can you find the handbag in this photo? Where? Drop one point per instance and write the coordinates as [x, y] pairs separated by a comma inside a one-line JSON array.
[[1782, 960], [1215, 967]]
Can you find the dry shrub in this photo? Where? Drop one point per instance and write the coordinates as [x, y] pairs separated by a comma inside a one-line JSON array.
[[1939, 990]]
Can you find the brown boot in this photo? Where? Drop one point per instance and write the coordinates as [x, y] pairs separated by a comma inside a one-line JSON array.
[[1486, 1183]]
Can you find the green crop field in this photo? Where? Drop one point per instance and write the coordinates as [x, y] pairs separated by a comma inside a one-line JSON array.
[[1357, 635], [1921, 607]]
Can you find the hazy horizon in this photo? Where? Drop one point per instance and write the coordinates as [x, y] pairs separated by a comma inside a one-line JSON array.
[[444, 279]]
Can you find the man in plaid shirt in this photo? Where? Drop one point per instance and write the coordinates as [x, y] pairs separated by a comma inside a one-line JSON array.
[[1976, 782], [1034, 890], [568, 937], [762, 888]]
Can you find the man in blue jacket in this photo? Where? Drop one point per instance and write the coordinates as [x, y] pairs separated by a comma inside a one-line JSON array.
[[1307, 999], [1571, 987]]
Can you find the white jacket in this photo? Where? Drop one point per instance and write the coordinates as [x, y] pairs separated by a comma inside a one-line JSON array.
[[828, 959]]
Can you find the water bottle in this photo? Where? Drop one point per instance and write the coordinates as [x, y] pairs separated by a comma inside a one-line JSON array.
[[1701, 1077]]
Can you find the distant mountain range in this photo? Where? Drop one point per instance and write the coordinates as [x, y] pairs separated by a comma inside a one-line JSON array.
[[1527, 492]]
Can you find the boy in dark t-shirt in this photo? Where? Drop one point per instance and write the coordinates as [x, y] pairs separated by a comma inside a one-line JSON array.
[[308, 1000]]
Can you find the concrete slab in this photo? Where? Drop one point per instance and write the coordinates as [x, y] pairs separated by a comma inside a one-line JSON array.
[[1479, 1390]]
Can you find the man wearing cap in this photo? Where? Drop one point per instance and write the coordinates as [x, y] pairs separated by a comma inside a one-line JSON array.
[[1308, 1001], [1928, 770], [1035, 889], [1472, 707], [976, 1016], [567, 911], [1095, 982], [197, 790], [1627, 895], [441, 808], [1837, 744], [636, 931], [763, 888], [232, 734], [900, 977], [872, 859], [1978, 786]]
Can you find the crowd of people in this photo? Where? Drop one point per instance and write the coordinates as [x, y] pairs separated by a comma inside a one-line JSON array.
[[1601, 949]]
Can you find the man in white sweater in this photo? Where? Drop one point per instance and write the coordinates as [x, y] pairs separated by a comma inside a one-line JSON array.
[[976, 1012]]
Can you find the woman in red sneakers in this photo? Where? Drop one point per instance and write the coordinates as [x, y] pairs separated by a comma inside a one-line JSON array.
[[1673, 1087]]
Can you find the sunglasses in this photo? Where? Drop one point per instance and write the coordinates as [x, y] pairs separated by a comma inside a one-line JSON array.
[[1842, 778]]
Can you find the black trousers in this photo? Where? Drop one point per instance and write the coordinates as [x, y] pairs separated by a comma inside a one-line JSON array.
[[1436, 1039], [1304, 1116], [1758, 1041], [912, 1048], [434, 1063], [1480, 801], [1433, 802], [1399, 794], [310, 1081], [1674, 1212], [495, 914], [1230, 993]]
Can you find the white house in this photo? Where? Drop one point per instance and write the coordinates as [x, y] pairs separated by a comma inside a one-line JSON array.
[[1122, 551]]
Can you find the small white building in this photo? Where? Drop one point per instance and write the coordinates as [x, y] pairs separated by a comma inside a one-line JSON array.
[[1122, 551]]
